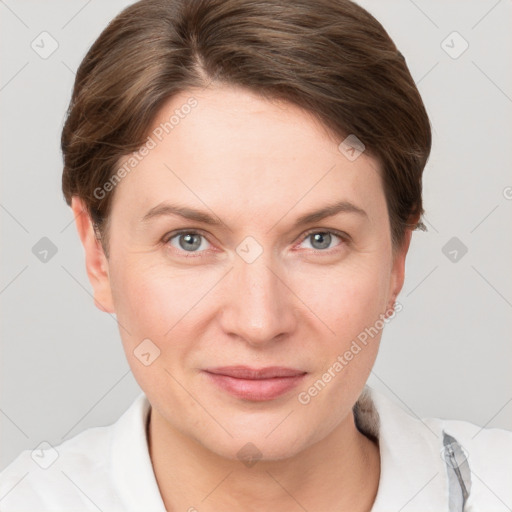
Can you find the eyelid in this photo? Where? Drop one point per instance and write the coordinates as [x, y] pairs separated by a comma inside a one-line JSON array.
[[172, 234]]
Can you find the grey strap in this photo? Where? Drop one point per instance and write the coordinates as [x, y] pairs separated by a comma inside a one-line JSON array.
[[459, 474]]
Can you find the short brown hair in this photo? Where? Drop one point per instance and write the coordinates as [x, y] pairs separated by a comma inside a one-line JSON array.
[[330, 57]]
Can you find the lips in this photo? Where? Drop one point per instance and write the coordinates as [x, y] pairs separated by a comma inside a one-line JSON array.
[[255, 384], [245, 372]]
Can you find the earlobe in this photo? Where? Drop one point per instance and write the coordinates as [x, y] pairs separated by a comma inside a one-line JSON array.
[[95, 260]]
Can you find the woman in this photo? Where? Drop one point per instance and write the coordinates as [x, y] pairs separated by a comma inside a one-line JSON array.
[[245, 178]]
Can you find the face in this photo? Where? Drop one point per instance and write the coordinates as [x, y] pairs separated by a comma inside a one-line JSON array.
[[248, 281]]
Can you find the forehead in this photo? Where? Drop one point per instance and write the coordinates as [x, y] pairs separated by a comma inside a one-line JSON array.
[[229, 146]]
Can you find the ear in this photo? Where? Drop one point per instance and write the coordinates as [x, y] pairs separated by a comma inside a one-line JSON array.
[[96, 262], [398, 270]]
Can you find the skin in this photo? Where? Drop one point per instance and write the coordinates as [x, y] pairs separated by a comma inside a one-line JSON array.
[[257, 165]]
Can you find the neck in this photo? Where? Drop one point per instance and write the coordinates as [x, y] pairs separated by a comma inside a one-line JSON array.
[[340, 472]]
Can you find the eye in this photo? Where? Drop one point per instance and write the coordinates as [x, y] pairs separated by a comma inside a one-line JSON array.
[[321, 240], [195, 242], [188, 241]]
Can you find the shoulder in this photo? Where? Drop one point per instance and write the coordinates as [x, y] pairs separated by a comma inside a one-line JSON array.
[[480, 439], [485, 448], [488, 452], [74, 475], [53, 476], [463, 453]]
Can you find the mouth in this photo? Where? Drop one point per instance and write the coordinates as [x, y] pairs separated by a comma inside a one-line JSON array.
[[255, 384]]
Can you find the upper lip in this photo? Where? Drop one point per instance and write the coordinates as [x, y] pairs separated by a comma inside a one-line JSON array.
[[245, 372]]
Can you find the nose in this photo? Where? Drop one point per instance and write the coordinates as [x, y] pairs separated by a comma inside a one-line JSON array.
[[259, 304]]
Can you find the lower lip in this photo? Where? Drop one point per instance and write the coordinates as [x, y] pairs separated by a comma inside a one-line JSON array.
[[257, 390]]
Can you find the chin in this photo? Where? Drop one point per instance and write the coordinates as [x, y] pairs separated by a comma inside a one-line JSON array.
[[252, 445], [251, 452]]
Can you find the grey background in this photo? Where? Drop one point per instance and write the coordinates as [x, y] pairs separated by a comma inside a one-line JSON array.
[[447, 354]]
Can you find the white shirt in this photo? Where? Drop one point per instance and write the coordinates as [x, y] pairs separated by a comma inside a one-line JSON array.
[[109, 468]]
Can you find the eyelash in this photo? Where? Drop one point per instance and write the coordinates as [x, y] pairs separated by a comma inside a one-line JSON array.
[[345, 239]]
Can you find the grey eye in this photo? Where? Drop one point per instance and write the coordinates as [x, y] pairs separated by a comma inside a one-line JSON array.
[[189, 241], [320, 240]]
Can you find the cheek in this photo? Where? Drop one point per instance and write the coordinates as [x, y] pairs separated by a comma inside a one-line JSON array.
[[171, 307], [149, 300], [349, 301], [347, 298]]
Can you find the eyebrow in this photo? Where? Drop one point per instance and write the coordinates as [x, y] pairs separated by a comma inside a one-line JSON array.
[[168, 209]]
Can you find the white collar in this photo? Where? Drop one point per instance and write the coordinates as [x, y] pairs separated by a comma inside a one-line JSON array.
[[136, 483], [413, 472]]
